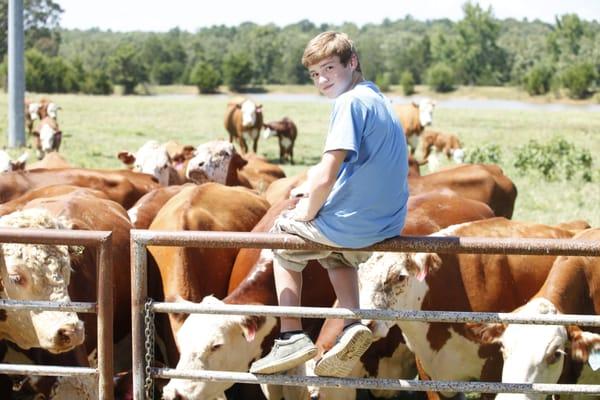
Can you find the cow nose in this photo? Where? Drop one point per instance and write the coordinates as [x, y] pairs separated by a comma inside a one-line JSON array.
[[69, 334], [172, 396], [314, 397]]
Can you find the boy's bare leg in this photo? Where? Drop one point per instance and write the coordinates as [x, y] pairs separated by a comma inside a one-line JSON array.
[[345, 283], [288, 285]]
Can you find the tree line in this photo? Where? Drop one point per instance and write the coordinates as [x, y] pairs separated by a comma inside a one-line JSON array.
[[479, 49]]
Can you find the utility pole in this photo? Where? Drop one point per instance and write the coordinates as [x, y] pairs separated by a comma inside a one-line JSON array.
[[16, 75]]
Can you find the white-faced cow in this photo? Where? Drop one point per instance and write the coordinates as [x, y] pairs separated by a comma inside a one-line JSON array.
[[286, 132], [8, 164], [152, 159], [243, 121], [47, 137], [414, 118], [553, 353], [434, 144], [456, 282]]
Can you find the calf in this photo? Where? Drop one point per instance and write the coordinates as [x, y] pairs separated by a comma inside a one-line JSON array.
[[456, 282], [217, 161], [286, 133], [441, 143], [259, 172], [152, 159], [414, 118], [243, 121], [47, 137], [553, 353]]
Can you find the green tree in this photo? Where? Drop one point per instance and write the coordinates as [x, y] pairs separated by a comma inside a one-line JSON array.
[[237, 70], [40, 23], [440, 78], [206, 78], [578, 79], [408, 83], [125, 68]]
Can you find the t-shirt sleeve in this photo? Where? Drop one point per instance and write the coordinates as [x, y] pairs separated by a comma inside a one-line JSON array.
[[346, 127]]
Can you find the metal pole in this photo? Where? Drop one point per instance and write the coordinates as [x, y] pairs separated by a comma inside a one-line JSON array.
[[104, 292], [139, 293], [16, 75]]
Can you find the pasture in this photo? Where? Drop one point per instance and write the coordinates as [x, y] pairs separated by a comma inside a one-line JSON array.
[[96, 128]]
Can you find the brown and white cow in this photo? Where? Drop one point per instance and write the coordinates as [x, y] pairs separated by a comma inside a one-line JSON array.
[[286, 132], [243, 121], [37, 272], [51, 160], [456, 282], [259, 172], [145, 209], [8, 164], [123, 186], [47, 137], [152, 159], [414, 118], [553, 353], [252, 283], [433, 144]]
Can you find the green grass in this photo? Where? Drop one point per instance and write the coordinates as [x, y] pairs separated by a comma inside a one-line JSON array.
[[96, 128]]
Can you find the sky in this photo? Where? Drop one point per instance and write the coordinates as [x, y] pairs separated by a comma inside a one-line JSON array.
[[191, 15]]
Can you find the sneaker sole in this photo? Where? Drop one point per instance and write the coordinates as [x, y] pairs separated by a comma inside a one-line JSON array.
[[287, 363], [339, 363]]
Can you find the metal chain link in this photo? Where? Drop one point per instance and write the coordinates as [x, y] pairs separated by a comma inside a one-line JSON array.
[[149, 346]]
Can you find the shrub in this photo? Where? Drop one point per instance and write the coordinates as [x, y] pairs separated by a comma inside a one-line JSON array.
[[97, 82], [578, 78], [237, 70], [408, 83], [440, 78], [383, 81], [538, 79], [205, 77], [556, 160], [489, 153]]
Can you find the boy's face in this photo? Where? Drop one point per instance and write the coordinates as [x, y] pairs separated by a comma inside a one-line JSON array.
[[331, 77]]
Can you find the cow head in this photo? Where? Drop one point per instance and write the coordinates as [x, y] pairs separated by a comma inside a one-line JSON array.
[[394, 281], [222, 336], [6, 164], [47, 137], [536, 353], [249, 110], [52, 110], [213, 162], [426, 107], [152, 159], [33, 111], [274, 128], [37, 272]]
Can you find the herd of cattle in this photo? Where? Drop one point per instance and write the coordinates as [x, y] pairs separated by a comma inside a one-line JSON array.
[[174, 187]]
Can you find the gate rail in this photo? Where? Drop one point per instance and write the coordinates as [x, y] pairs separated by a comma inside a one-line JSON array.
[[474, 245], [102, 241]]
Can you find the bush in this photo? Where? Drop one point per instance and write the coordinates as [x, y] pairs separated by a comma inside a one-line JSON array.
[[97, 82], [237, 70], [538, 79], [408, 83], [440, 78], [578, 78], [383, 81], [487, 154], [557, 160], [205, 77]]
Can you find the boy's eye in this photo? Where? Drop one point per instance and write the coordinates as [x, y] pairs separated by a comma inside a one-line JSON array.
[[314, 75], [329, 67]]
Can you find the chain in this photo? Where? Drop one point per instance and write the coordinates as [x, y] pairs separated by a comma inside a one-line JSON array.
[[149, 345]]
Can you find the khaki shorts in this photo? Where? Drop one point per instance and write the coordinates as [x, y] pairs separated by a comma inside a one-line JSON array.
[[296, 260]]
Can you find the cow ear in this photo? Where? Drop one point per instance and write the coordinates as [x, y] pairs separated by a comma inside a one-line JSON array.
[[239, 162], [188, 152], [259, 108], [582, 343], [250, 324], [36, 134], [126, 157], [485, 333]]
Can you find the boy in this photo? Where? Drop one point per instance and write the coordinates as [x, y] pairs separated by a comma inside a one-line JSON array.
[[356, 197]]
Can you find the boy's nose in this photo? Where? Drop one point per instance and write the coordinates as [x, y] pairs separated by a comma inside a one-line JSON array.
[[322, 79]]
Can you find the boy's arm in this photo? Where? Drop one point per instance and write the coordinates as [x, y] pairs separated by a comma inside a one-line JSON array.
[[320, 182]]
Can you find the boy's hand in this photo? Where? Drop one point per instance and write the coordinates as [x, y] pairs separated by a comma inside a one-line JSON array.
[[301, 211]]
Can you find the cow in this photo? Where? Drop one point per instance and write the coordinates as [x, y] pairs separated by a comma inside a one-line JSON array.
[[252, 282], [455, 282], [31, 115], [281, 189], [180, 155], [153, 159], [259, 172], [553, 353], [414, 118], [47, 137], [217, 161], [441, 143], [51, 160], [243, 121], [123, 186], [142, 213], [37, 272], [191, 273], [286, 132], [7, 164]]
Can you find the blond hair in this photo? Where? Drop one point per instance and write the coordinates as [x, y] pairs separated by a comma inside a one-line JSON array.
[[328, 44]]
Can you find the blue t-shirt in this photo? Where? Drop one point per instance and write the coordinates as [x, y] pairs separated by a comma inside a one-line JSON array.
[[368, 201]]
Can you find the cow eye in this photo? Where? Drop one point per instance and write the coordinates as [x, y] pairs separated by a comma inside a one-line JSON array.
[[215, 347], [16, 279], [555, 356]]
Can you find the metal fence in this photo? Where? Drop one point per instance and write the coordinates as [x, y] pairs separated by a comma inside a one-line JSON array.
[[102, 241], [143, 373]]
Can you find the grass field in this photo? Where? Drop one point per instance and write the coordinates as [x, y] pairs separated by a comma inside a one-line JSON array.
[[96, 128]]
